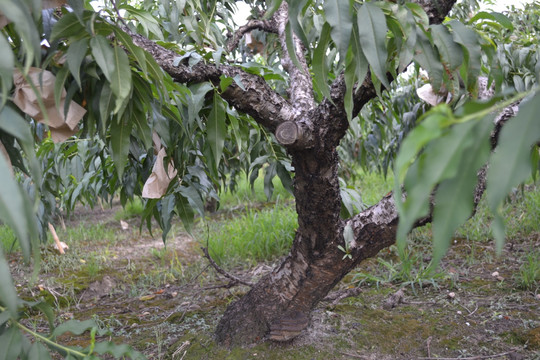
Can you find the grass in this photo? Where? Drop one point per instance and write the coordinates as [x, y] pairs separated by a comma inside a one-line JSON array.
[[245, 194], [254, 236], [528, 277], [133, 208], [8, 239]]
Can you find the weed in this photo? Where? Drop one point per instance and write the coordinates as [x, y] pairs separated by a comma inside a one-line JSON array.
[[528, 277]]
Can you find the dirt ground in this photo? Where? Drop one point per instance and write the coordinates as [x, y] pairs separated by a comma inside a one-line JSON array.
[[165, 302]]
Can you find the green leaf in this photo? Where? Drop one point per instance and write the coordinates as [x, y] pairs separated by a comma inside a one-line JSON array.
[[193, 197], [427, 57], [338, 13], [11, 344], [8, 295], [510, 165], [350, 79], [473, 54], [38, 352], [270, 173], [185, 211], [320, 69], [106, 99], [118, 351], [216, 128], [104, 55], [455, 196], [291, 48], [372, 30], [272, 8], [68, 25], [18, 13], [75, 327], [451, 52], [59, 82], [295, 16], [15, 207], [137, 52], [7, 64], [121, 83], [75, 55], [120, 140], [494, 16]]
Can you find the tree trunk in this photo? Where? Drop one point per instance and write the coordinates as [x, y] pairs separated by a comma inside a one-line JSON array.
[[279, 305]]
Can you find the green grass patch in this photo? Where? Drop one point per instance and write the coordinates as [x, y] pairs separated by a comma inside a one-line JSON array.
[[254, 236], [133, 208], [8, 240], [245, 194]]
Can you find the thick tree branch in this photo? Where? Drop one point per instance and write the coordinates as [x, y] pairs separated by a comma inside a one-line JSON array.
[[301, 91], [264, 25], [258, 100], [334, 111]]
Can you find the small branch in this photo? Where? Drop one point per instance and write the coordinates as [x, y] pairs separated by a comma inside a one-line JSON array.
[[264, 25], [233, 278], [257, 100]]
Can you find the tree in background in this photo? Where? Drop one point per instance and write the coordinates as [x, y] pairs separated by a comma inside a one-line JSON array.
[[171, 88]]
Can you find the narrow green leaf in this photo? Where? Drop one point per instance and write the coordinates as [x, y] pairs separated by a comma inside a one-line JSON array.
[[291, 48], [135, 51], [270, 173], [272, 8], [350, 80], [472, 50], [451, 53], [11, 344], [455, 196], [296, 15], [7, 64], [75, 55], [104, 56], [38, 352], [427, 57], [106, 99], [68, 25], [120, 351], [419, 13], [510, 165], [194, 198], [185, 211], [8, 295], [75, 327], [121, 83], [120, 140], [339, 15], [216, 128], [372, 30], [19, 13], [320, 69], [59, 82], [493, 16]]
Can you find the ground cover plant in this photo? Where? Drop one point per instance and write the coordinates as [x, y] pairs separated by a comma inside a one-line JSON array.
[[174, 102]]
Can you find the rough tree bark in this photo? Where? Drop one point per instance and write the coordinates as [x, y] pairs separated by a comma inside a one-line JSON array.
[[278, 307]]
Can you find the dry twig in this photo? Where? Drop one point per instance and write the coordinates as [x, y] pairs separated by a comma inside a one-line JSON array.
[[233, 278]]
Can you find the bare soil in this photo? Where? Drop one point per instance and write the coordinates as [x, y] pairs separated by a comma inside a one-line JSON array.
[[165, 301]]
